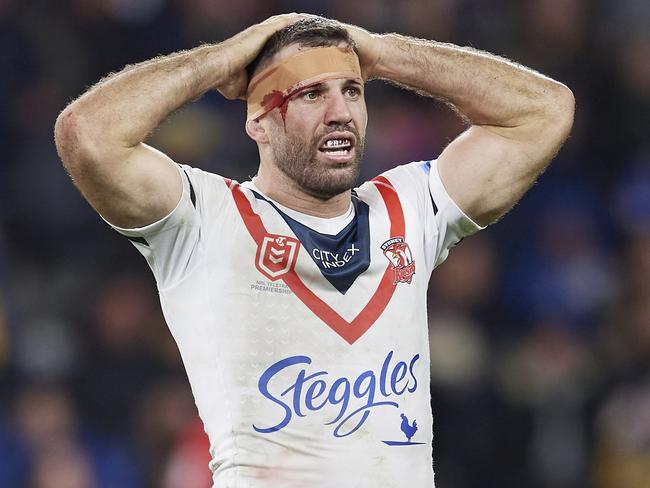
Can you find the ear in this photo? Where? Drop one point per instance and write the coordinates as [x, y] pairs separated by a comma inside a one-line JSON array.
[[256, 131]]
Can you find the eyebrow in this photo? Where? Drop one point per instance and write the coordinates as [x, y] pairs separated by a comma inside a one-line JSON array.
[[316, 86], [305, 89], [321, 86]]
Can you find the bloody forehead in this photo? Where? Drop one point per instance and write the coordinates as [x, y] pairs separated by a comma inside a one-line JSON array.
[[272, 87]]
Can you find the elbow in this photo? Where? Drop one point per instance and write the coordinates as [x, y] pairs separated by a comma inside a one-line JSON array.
[[561, 111], [78, 140], [68, 138]]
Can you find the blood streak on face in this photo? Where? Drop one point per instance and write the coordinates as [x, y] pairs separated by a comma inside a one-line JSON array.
[[283, 111], [276, 99]]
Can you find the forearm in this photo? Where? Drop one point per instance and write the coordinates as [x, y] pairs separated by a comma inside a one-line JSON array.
[[487, 89], [519, 118], [100, 136], [120, 111]]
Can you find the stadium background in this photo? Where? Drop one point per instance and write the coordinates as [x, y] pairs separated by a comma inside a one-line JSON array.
[[540, 326]]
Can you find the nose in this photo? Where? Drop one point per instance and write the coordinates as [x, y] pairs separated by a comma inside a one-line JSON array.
[[338, 110]]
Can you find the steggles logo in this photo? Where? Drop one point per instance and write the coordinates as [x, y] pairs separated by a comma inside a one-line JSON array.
[[294, 388]]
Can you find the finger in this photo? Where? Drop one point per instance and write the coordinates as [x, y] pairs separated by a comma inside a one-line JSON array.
[[283, 20], [278, 22]]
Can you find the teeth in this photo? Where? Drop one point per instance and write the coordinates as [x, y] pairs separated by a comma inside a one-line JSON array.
[[337, 142]]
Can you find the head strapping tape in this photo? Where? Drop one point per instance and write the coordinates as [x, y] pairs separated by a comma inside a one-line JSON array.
[[273, 86]]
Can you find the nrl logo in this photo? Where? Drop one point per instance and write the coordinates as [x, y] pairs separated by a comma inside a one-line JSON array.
[[399, 254], [276, 255]]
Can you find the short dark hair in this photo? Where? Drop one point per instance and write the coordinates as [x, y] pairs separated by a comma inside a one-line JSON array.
[[311, 32]]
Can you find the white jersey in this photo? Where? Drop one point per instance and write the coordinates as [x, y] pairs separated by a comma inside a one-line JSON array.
[[305, 340]]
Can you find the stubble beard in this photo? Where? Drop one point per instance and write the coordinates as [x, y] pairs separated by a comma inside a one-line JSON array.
[[298, 159]]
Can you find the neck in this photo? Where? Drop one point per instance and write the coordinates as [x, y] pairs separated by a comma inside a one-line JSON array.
[[279, 187]]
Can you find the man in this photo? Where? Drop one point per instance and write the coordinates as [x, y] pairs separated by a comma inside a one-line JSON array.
[[298, 304]]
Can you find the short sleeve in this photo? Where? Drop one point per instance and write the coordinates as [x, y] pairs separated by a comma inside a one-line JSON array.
[[452, 223], [170, 244], [440, 221]]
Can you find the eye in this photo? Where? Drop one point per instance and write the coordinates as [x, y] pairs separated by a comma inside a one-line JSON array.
[[352, 91], [311, 95]]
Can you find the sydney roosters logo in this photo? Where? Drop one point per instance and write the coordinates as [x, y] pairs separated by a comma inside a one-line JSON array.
[[276, 255], [399, 254]]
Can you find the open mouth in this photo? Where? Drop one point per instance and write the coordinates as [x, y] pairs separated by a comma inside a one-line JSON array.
[[338, 145]]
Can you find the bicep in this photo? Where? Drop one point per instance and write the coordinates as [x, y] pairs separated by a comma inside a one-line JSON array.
[[487, 170], [138, 187]]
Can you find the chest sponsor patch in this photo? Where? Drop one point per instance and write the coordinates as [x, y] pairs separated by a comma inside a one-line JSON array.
[[342, 257], [294, 388]]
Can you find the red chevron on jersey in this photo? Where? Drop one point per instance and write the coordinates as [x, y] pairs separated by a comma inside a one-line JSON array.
[[350, 331]]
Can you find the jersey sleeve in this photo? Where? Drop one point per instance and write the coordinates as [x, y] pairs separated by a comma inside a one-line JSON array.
[[444, 224], [172, 245], [452, 223]]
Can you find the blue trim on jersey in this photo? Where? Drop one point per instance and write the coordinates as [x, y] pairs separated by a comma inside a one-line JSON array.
[[341, 258], [426, 166]]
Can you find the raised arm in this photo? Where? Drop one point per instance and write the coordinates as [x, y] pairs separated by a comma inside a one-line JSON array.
[[100, 136], [519, 118]]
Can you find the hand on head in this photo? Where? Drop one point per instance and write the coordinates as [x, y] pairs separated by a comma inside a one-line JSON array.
[[367, 48], [244, 47]]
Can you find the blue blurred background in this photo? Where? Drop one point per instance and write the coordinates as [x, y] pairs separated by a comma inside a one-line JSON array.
[[540, 326]]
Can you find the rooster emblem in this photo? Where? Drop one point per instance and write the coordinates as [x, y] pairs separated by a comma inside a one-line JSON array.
[[401, 260], [409, 430]]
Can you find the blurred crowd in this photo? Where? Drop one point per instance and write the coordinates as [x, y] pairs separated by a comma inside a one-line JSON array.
[[540, 325]]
